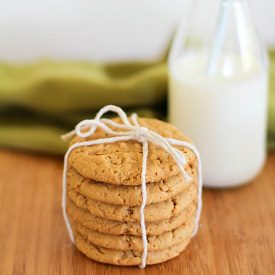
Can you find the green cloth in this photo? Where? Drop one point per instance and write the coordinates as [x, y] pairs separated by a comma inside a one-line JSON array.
[[271, 113], [41, 101]]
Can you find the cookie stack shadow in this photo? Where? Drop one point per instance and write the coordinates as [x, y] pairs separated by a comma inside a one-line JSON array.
[[105, 214]]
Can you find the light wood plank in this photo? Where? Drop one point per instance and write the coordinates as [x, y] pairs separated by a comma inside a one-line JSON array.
[[237, 234]]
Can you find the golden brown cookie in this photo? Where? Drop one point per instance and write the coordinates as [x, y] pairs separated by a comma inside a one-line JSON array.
[[120, 162], [153, 212], [129, 242], [128, 195], [84, 217], [127, 257]]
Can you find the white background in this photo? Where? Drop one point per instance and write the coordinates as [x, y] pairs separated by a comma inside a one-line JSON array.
[[104, 30]]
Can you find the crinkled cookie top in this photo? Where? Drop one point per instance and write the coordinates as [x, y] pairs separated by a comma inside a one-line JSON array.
[[120, 162]]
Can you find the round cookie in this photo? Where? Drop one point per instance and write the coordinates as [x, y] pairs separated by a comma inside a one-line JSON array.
[[128, 257], [129, 242], [84, 217], [153, 212], [128, 195], [121, 162]]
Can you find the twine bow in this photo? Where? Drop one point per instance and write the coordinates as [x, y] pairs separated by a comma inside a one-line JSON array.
[[131, 131]]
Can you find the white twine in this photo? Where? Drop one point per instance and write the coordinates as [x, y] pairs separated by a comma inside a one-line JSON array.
[[132, 131]]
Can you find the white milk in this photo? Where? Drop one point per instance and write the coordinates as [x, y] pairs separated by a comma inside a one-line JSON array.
[[225, 117]]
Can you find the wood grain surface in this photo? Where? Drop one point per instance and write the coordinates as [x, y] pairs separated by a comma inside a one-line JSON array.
[[237, 234]]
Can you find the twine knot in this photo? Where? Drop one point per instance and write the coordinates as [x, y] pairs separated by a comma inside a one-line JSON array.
[[141, 133]]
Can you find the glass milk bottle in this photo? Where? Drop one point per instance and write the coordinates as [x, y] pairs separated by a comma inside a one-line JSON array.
[[218, 90]]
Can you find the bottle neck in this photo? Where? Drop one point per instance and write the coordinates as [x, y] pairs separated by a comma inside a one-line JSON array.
[[225, 35]]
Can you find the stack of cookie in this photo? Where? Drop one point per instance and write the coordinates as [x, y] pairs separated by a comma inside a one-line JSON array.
[[104, 198]]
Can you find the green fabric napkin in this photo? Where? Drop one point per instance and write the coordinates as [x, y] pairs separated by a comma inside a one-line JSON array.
[[271, 113], [41, 101]]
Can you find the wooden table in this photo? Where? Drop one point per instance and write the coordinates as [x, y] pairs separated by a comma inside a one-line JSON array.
[[237, 234]]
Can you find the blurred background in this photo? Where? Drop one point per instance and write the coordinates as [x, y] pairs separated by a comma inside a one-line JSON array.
[[60, 61]]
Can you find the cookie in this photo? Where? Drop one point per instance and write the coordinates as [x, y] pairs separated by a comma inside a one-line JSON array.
[[127, 257], [120, 162], [153, 212], [84, 217], [129, 242], [128, 195]]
